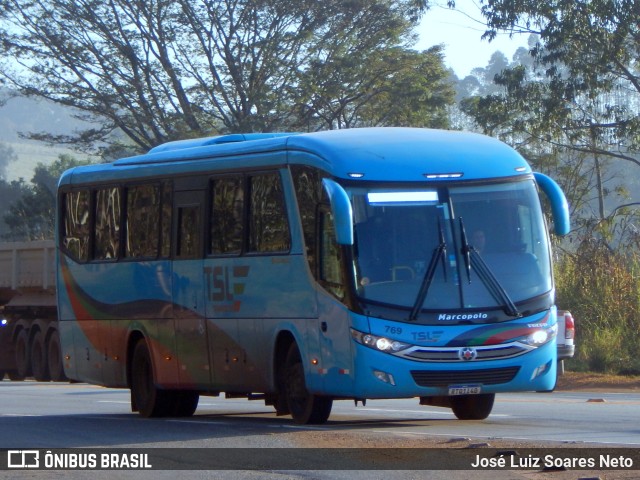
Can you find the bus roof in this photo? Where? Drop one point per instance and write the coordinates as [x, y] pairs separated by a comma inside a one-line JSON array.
[[378, 154]]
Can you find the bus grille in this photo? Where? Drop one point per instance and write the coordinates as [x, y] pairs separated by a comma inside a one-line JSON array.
[[442, 378], [450, 354]]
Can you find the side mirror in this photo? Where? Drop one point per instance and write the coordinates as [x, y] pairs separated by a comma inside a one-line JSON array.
[[341, 210], [559, 205]]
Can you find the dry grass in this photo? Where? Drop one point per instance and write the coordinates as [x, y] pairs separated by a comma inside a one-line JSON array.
[[597, 381]]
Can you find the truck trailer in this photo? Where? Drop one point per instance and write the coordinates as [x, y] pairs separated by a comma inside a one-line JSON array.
[[29, 338]]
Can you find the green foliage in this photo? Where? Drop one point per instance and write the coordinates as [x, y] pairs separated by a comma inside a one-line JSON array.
[[601, 288], [173, 69], [31, 212], [9, 191], [391, 87]]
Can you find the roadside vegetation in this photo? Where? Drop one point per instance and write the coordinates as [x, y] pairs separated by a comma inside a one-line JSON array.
[[601, 288]]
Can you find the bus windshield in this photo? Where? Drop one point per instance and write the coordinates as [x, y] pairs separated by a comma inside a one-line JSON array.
[[458, 248]]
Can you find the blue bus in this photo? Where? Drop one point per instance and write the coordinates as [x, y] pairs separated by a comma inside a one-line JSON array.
[[300, 269]]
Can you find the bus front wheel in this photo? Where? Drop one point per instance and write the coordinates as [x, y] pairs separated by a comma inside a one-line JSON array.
[[473, 407], [305, 408]]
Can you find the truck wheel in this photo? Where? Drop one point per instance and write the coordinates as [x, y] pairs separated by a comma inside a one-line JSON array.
[[2, 372], [146, 398], [54, 357], [23, 355], [39, 358], [472, 407], [305, 407]]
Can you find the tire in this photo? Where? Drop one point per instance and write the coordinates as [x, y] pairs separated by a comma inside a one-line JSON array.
[[305, 408], [146, 398], [184, 402], [473, 407], [39, 364], [54, 357], [23, 355], [2, 372]]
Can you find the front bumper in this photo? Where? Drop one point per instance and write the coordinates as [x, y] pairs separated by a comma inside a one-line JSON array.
[[402, 378]]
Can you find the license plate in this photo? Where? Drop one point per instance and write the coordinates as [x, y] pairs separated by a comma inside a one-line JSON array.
[[465, 389]]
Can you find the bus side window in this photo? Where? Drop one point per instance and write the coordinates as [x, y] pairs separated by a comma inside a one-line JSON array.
[[309, 194], [268, 226], [75, 235], [142, 221], [227, 215], [107, 224], [330, 255]]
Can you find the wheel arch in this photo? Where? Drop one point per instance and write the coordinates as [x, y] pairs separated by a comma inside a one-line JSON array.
[[134, 337], [283, 342]]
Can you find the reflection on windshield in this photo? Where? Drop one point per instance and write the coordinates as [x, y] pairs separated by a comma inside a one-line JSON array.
[[396, 239]]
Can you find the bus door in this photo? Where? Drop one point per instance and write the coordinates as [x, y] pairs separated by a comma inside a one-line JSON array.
[[188, 290], [334, 318]]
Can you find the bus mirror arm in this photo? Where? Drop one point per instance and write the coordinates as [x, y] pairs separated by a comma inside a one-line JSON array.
[[341, 210], [559, 205]]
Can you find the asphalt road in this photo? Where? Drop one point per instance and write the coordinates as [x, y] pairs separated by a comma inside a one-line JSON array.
[[56, 415]]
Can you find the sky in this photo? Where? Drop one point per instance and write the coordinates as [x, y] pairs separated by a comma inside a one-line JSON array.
[[460, 31]]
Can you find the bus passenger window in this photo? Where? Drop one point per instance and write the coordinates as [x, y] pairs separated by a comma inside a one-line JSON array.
[[75, 237], [142, 221], [268, 225], [188, 245], [107, 225], [227, 211]]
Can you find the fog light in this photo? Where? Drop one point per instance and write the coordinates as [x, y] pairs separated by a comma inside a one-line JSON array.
[[384, 377], [541, 370]]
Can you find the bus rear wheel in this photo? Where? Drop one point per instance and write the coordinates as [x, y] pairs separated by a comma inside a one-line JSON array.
[[54, 357], [149, 400], [473, 407], [305, 408]]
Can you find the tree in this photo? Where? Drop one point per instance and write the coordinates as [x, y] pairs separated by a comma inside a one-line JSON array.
[[588, 52], [32, 215], [159, 70], [578, 101], [7, 156], [391, 87]]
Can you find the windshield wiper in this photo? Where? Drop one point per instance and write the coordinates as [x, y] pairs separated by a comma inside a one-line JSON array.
[[439, 253], [472, 259]]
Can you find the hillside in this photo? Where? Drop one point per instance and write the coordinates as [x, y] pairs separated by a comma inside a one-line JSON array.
[[20, 115]]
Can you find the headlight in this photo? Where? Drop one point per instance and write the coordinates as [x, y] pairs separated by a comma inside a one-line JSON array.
[[378, 343], [3, 322], [540, 337]]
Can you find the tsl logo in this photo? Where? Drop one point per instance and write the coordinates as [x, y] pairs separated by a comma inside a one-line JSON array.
[[224, 286]]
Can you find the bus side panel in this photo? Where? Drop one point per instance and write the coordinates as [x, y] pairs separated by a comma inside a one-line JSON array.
[[190, 327], [336, 346], [97, 318], [247, 300]]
